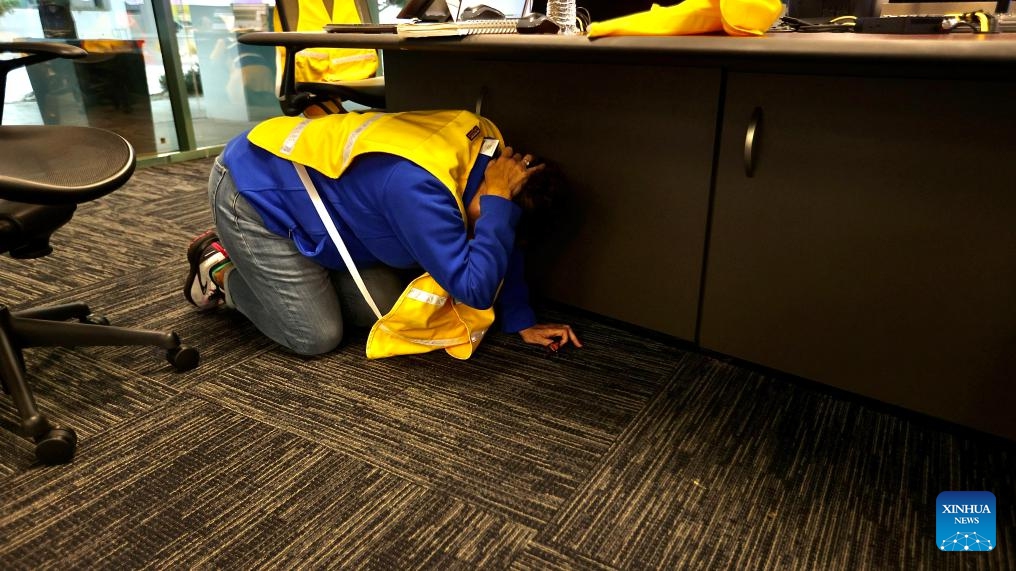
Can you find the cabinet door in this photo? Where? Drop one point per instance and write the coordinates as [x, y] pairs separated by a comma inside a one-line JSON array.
[[636, 144], [873, 247]]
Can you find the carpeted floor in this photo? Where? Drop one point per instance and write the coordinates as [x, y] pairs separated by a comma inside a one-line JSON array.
[[632, 453]]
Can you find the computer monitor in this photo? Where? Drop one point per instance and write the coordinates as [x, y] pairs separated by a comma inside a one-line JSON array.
[[955, 6], [427, 11], [510, 8]]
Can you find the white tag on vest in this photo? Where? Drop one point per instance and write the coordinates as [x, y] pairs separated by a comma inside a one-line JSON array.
[[489, 147]]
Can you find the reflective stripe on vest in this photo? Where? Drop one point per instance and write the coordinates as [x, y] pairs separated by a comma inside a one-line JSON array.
[[293, 137], [426, 297], [435, 343], [347, 149]]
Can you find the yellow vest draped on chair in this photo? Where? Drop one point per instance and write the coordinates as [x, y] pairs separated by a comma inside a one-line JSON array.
[[445, 144], [329, 65]]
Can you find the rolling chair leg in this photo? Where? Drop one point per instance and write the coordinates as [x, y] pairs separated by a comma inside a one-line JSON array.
[[52, 445], [63, 312], [45, 327], [43, 332]]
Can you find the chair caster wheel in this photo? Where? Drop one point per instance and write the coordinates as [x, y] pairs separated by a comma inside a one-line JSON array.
[[94, 319], [183, 358], [56, 446]]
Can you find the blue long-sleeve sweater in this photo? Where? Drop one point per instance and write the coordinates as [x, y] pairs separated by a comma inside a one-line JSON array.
[[388, 210]]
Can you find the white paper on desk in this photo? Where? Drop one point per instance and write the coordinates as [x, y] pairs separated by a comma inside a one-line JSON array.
[[467, 28], [453, 8]]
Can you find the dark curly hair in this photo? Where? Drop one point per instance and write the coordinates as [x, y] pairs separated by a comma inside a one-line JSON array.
[[544, 199]]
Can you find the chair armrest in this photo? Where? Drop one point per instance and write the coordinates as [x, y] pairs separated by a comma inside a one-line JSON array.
[[32, 52], [56, 49], [38, 52]]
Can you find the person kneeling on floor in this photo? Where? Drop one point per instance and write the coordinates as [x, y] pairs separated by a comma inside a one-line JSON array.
[[319, 223]]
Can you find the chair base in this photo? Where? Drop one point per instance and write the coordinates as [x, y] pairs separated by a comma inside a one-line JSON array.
[[48, 327]]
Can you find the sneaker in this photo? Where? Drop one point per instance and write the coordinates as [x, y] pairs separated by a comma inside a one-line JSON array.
[[206, 257]]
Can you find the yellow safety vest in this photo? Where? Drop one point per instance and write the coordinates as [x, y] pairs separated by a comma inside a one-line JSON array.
[[445, 144], [735, 17], [329, 65]]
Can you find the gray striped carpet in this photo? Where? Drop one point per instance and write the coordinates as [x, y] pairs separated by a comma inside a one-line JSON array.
[[632, 453]]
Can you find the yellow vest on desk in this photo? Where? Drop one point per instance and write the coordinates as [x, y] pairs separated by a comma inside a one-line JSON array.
[[735, 17], [445, 144]]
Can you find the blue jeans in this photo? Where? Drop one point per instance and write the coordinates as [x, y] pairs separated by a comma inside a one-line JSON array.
[[290, 298]]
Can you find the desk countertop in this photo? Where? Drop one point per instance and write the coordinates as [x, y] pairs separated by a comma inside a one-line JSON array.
[[994, 53]]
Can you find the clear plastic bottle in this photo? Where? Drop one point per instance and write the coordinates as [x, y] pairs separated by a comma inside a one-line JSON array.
[[562, 13]]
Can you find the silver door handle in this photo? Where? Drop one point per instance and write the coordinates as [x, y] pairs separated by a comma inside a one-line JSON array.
[[750, 146]]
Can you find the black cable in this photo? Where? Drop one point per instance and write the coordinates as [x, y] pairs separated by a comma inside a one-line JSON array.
[[962, 24], [847, 25], [583, 17], [827, 28]]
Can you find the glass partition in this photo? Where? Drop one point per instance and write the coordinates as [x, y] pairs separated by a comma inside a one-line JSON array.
[[116, 87], [122, 86], [231, 86]]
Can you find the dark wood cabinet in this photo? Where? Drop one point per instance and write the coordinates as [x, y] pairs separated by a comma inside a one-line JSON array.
[[866, 238]]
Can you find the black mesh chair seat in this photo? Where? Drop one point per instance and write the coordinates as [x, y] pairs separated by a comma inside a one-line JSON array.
[[62, 164], [45, 172]]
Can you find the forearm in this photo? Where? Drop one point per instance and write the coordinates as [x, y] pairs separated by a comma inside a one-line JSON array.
[[514, 310], [475, 277], [431, 228]]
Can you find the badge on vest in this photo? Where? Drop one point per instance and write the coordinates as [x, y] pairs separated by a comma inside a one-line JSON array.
[[489, 147], [473, 133]]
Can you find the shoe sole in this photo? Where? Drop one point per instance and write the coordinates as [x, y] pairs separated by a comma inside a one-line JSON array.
[[194, 251]]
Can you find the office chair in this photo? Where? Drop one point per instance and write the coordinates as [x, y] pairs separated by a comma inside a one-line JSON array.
[[45, 172], [318, 80]]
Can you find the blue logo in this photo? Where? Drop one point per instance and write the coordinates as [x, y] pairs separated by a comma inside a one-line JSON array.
[[965, 521]]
